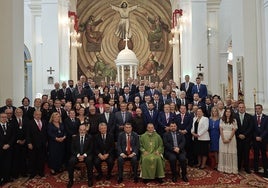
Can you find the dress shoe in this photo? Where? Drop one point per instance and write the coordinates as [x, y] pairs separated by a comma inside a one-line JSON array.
[[136, 180], [70, 184], [248, 171], [119, 180], [145, 181], [174, 179], [185, 179], [108, 177], [160, 180], [90, 183], [32, 176], [99, 176], [41, 174]]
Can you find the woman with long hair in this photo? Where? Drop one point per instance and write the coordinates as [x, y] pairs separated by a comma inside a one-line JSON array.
[[227, 143]]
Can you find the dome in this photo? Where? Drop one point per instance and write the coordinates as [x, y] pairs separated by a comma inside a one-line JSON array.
[[126, 57]]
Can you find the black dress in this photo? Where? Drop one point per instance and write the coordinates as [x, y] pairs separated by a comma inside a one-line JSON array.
[[201, 147]]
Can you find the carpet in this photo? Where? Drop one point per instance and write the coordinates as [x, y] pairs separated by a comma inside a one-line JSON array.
[[205, 178]]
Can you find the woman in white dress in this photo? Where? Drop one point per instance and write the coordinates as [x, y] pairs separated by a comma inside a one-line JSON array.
[[227, 143]]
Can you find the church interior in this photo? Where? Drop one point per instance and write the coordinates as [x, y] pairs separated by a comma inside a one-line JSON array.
[[222, 42]]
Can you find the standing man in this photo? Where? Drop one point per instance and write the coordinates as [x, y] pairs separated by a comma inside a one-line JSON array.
[[6, 144], [37, 143], [128, 149], [201, 89], [82, 151], [152, 160], [187, 86], [174, 143], [260, 139], [243, 136]]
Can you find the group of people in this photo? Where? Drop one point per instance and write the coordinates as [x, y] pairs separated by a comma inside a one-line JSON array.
[[145, 123]]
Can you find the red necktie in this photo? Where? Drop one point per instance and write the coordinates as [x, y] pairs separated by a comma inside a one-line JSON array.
[[259, 120], [128, 145]]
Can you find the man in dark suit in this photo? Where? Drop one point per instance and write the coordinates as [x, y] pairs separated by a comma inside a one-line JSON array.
[[104, 148], [152, 90], [55, 93], [158, 104], [66, 93], [174, 143], [201, 89], [9, 104], [27, 109], [150, 115], [184, 122], [183, 100], [128, 97], [243, 136], [141, 93], [109, 118], [6, 145], [164, 97], [173, 98], [187, 86], [164, 119], [37, 141], [57, 108], [260, 139], [20, 126], [121, 117], [82, 151], [128, 146]]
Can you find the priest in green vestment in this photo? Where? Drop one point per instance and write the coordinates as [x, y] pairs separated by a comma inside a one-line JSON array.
[[152, 149]]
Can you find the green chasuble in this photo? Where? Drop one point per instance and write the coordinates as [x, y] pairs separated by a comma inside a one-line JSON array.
[[152, 164]]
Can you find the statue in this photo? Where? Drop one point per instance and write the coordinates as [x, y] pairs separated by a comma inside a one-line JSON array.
[[93, 37], [155, 36], [151, 67], [102, 69], [123, 28]]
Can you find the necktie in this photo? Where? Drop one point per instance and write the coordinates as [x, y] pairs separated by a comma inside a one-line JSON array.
[[59, 111], [128, 144], [4, 127], [259, 120], [182, 118], [20, 122], [241, 118], [167, 117], [126, 97], [186, 86], [124, 117], [103, 137], [107, 117], [198, 87], [73, 120], [175, 143], [81, 144], [151, 113], [112, 96], [39, 125], [156, 104]]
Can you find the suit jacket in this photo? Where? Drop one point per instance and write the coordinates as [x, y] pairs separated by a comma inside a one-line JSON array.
[[88, 145], [186, 124], [165, 99], [202, 130], [148, 92], [8, 136], [159, 106], [3, 108], [170, 100], [202, 92], [106, 146], [29, 113], [189, 95], [246, 127], [187, 101], [81, 95], [38, 138], [62, 113], [110, 123], [20, 132], [162, 121], [67, 95], [55, 94], [169, 144], [119, 118], [262, 130], [71, 128], [122, 143], [149, 119], [141, 97], [130, 98]]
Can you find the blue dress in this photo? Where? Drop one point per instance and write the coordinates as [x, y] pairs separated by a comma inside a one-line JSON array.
[[214, 133]]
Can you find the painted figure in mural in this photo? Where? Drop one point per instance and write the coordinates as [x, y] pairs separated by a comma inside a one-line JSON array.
[[150, 67], [103, 69], [123, 27], [158, 26], [90, 25]]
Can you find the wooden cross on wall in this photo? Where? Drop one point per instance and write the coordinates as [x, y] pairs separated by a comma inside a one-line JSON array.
[[50, 70], [200, 67]]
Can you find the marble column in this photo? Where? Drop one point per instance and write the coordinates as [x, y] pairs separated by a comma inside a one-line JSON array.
[[135, 72], [118, 73], [265, 51], [131, 71], [123, 74], [11, 51]]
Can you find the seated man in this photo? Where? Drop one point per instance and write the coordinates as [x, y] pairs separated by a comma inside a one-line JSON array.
[[104, 150], [174, 143], [152, 160], [128, 147], [82, 151]]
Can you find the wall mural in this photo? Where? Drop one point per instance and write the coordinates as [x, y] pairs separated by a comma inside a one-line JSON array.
[[104, 25]]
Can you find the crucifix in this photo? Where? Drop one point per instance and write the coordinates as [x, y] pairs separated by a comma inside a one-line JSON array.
[[200, 67], [50, 70]]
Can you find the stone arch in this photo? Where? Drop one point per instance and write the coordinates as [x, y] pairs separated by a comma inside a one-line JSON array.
[[27, 72]]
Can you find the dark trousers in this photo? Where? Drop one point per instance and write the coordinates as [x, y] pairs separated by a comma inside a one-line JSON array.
[[243, 147], [19, 160], [260, 147], [89, 164], [173, 158], [5, 164], [134, 164], [109, 161], [37, 159]]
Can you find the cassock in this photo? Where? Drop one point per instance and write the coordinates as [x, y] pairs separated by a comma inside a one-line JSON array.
[[152, 165]]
